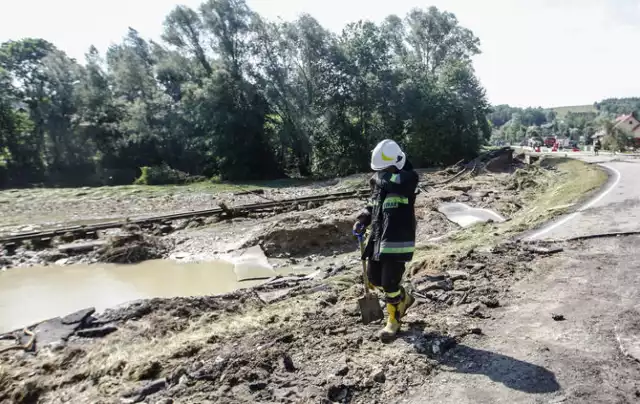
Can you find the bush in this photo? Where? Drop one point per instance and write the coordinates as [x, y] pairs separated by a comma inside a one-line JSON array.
[[163, 175], [116, 176]]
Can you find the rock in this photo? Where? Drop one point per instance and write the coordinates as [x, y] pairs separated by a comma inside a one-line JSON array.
[[287, 362], [27, 392], [378, 376], [337, 331], [441, 345], [472, 308], [462, 286], [447, 198], [473, 268], [97, 332], [457, 275], [52, 256], [79, 316], [140, 394], [490, 302], [478, 194], [62, 262], [257, 386], [332, 299], [177, 374], [557, 317], [475, 330], [166, 228], [57, 346], [186, 351], [461, 187], [342, 370], [286, 339], [179, 255], [440, 285], [543, 250], [147, 371], [337, 393], [164, 401]]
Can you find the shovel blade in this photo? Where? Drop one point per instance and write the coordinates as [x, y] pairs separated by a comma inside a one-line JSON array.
[[370, 309]]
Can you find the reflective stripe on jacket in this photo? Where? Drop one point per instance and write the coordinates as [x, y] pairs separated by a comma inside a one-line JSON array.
[[391, 215]]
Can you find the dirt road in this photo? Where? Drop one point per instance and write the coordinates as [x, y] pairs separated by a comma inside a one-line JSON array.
[[528, 357]]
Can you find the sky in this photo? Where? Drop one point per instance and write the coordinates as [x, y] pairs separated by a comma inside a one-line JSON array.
[[534, 52]]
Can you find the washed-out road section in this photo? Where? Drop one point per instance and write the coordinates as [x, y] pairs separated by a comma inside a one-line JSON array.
[[527, 356]]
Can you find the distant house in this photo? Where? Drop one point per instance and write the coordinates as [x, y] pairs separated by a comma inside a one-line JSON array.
[[627, 124]]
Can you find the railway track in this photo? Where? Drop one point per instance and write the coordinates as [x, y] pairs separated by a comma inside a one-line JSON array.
[[44, 237], [90, 231]]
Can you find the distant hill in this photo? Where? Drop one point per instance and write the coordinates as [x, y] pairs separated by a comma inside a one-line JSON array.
[[562, 111]]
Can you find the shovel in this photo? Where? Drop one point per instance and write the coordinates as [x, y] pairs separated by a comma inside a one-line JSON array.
[[369, 304]]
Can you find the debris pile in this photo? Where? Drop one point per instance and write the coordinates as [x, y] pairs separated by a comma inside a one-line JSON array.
[[132, 247], [324, 230], [477, 279]]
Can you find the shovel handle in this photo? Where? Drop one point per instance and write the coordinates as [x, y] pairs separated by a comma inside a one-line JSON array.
[[365, 278]]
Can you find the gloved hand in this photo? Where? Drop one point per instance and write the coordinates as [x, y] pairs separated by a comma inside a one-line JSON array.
[[359, 229]]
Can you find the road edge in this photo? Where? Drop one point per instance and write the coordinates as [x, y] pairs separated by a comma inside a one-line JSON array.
[[584, 202]]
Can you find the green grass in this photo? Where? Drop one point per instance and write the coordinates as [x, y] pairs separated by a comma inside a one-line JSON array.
[[563, 111], [552, 195]]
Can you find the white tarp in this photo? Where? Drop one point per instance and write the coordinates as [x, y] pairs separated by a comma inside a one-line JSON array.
[[464, 215], [252, 264]]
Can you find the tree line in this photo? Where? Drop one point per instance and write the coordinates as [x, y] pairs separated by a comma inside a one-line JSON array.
[[619, 106], [230, 95]]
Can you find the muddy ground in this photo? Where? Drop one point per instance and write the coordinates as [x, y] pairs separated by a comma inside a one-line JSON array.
[[36, 208], [299, 231], [295, 341], [308, 346]]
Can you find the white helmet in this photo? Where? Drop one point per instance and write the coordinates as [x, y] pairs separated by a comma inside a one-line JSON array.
[[386, 154]]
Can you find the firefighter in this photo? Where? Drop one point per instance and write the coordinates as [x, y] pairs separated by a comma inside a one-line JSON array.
[[392, 234]]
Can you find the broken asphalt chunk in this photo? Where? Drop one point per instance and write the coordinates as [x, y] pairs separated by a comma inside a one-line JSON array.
[[543, 250], [97, 332]]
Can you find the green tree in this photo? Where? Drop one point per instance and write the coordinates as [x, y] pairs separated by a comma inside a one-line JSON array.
[[230, 94]]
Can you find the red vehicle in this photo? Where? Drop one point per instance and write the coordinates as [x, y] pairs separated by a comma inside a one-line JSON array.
[[550, 142]]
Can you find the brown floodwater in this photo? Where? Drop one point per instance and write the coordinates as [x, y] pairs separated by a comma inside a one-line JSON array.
[[29, 295]]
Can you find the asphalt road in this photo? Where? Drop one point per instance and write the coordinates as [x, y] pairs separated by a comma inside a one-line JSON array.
[[525, 356], [614, 209]]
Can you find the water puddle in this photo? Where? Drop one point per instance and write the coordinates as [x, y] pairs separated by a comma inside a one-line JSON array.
[[29, 295]]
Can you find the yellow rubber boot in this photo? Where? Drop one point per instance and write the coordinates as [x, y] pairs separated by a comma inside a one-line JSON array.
[[388, 333], [396, 312], [407, 301]]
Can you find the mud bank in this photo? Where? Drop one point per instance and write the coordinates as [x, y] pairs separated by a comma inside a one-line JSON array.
[[306, 345]]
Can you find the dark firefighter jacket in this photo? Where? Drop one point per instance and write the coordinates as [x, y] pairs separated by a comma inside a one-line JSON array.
[[391, 216]]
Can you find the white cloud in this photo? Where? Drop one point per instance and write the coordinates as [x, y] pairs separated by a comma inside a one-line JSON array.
[[535, 52]]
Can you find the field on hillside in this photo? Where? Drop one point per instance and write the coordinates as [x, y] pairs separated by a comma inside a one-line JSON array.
[[562, 111]]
